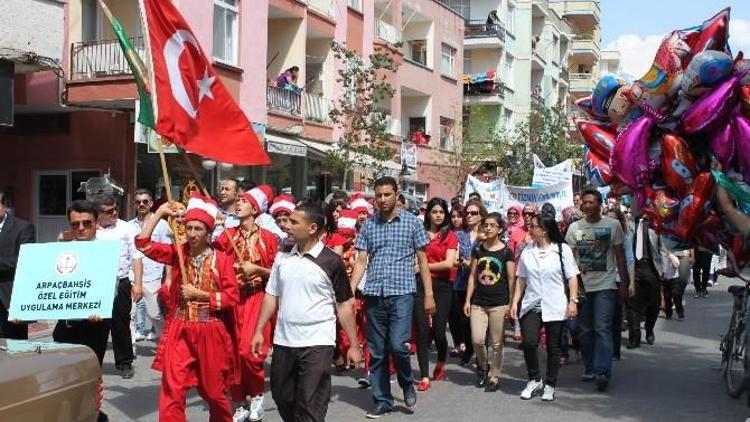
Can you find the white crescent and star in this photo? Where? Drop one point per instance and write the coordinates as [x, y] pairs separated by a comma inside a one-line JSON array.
[[173, 49]]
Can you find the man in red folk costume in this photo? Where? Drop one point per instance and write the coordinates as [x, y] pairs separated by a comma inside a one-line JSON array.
[[196, 349], [257, 248]]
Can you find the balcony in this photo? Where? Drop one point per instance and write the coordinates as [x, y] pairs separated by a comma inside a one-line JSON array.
[[323, 7], [585, 46], [537, 100], [387, 32], [537, 60], [284, 100], [479, 34], [317, 109], [484, 94], [393, 126], [581, 83], [581, 13], [100, 59]]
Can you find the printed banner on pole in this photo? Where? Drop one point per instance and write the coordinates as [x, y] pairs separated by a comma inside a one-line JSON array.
[[560, 195], [492, 193], [409, 155], [65, 280], [545, 176]]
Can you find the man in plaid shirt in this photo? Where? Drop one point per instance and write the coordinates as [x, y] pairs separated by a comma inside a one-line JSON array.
[[387, 244]]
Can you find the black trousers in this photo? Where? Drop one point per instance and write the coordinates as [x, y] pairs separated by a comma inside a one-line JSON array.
[[460, 324], [122, 341], [443, 293], [645, 303], [86, 333], [301, 382], [673, 290], [701, 269], [531, 323], [11, 330]]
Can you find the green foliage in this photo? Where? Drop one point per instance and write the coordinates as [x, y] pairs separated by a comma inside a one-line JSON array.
[[359, 112]]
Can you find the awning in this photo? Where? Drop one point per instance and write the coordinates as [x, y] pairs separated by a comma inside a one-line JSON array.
[[286, 146], [364, 161]]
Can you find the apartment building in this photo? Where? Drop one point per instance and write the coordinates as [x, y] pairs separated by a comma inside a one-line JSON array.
[[86, 124]]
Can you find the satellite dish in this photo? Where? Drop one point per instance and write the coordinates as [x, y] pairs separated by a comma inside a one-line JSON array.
[[96, 187]]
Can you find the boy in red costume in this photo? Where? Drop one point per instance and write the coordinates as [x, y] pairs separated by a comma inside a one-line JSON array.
[[257, 248], [196, 348]]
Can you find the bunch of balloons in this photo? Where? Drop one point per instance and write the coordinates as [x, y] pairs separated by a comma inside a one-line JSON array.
[[671, 136]]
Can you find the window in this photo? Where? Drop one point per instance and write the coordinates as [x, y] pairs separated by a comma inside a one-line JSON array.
[[508, 71], [418, 51], [467, 62], [447, 61], [462, 7], [507, 119], [511, 25], [225, 31], [418, 190], [446, 133], [418, 130], [355, 4]]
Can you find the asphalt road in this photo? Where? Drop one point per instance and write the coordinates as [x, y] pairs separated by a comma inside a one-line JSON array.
[[676, 379]]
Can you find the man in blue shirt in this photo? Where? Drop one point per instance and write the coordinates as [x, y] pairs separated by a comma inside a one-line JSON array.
[[387, 244]]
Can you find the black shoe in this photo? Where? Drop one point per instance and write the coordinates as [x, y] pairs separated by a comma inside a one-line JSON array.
[[102, 417], [681, 315], [601, 382], [616, 356], [650, 338], [633, 345], [705, 293], [668, 316], [127, 371], [481, 378], [378, 412], [410, 397]]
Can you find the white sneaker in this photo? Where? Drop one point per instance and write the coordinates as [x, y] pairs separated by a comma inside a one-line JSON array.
[[151, 337], [139, 337], [549, 393], [364, 382], [532, 388], [241, 414], [256, 409]]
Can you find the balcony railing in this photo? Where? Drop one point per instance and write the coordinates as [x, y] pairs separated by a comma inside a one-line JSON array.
[[498, 89], [387, 32], [285, 100], [100, 59], [537, 100], [325, 7], [565, 74], [481, 29], [317, 108]]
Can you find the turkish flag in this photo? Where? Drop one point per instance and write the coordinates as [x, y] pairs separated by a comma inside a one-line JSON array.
[[191, 105]]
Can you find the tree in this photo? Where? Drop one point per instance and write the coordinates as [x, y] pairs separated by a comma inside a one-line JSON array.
[[360, 114]]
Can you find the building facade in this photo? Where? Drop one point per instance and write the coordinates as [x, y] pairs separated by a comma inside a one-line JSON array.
[[83, 123]]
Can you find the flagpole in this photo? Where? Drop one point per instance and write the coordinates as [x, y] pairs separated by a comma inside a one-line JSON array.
[[173, 225]]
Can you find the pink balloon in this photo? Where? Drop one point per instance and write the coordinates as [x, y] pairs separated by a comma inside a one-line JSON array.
[[711, 109], [629, 159], [741, 131], [722, 145]]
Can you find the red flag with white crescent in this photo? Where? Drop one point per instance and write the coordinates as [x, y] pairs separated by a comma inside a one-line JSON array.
[[192, 107]]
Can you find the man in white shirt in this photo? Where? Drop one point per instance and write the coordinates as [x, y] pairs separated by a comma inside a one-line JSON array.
[[227, 217], [153, 272], [112, 228], [309, 288]]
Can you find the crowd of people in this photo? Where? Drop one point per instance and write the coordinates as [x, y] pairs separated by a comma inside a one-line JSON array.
[[332, 285]]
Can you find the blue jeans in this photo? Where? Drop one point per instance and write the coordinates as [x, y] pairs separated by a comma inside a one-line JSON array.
[[388, 330], [595, 323]]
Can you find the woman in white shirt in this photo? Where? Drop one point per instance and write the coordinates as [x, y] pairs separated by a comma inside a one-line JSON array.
[[543, 269]]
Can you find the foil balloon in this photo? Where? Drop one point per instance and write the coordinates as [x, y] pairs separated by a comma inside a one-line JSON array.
[[741, 131], [597, 169], [707, 68], [740, 249], [586, 105], [597, 137], [629, 158], [695, 206], [678, 164], [710, 233], [712, 109], [664, 207], [662, 81], [745, 99], [712, 35], [721, 145]]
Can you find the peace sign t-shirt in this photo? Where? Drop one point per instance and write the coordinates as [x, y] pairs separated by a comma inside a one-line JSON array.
[[491, 277]]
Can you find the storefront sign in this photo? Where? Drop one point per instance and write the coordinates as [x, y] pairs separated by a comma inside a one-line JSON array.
[[286, 149], [65, 280]]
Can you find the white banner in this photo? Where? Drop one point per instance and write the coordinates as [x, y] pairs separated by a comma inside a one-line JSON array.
[[492, 193], [560, 195], [409, 155], [546, 176]]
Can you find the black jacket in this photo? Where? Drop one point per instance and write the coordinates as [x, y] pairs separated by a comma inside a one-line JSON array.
[[14, 233]]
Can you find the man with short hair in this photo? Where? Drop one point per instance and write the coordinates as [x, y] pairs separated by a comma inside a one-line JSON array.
[[597, 243], [13, 233], [112, 228], [153, 272], [387, 245], [245, 186], [227, 218], [309, 287]]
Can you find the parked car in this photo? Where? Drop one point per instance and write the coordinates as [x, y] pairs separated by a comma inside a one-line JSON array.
[[51, 382]]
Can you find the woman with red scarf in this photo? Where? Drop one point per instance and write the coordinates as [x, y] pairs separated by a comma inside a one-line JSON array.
[[196, 348]]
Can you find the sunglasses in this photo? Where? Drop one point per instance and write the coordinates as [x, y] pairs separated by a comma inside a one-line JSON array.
[[110, 211], [491, 226], [86, 224], [529, 213], [142, 201], [474, 213]]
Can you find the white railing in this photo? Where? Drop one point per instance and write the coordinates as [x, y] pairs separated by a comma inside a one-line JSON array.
[[393, 126], [387, 32], [325, 7], [317, 108]]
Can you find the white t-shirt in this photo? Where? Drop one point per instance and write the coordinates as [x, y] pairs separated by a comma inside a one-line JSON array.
[[594, 246], [544, 279], [152, 270], [125, 233]]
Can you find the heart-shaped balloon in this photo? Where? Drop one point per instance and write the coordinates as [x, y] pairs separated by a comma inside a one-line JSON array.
[[695, 206], [741, 131], [721, 145], [713, 108], [678, 165], [597, 137], [629, 158]]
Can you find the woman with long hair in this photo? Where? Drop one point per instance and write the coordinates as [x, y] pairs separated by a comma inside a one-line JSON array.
[[459, 323], [545, 268], [488, 294], [441, 257]]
